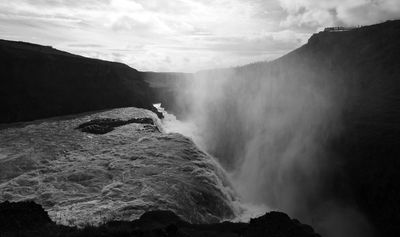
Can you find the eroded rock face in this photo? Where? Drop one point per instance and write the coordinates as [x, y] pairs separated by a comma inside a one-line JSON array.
[[82, 178]]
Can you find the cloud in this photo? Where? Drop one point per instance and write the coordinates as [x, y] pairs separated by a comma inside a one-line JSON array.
[[319, 13], [140, 26], [211, 33], [86, 45]]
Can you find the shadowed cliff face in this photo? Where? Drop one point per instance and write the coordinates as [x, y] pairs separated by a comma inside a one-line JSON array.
[[39, 82], [314, 133]]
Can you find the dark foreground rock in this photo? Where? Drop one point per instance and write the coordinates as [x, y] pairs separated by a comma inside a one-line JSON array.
[[21, 216], [29, 219]]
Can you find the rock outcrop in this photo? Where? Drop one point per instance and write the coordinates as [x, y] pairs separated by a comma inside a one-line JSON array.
[[29, 219]]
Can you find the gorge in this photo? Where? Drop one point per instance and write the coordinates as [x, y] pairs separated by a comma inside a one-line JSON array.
[[313, 134]]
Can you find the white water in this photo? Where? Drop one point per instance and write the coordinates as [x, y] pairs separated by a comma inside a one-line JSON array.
[[82, 178], [170, 124], [244, 210]]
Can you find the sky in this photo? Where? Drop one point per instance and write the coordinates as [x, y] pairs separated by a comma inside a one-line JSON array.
[[183, 35]]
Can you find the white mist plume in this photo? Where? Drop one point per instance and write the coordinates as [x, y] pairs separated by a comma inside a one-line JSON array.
[[273, 128], [268, 128]]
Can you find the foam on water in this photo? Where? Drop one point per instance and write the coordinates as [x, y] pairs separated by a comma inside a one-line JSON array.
[[244, 211], [170, 124], [85, 178]]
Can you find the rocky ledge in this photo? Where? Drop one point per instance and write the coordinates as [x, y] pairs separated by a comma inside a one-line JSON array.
[[30, 219]]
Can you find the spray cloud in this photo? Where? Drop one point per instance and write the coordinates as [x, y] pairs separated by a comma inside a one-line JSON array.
[[269, 126]]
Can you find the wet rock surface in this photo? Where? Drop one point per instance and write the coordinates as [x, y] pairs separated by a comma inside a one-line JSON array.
[[29, 219], [105, 125]]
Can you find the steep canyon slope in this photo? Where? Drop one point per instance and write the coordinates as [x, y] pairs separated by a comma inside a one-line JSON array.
[[315, 132]]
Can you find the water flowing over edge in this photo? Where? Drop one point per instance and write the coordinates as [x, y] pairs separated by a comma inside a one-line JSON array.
[[83, 178], [243, 211]]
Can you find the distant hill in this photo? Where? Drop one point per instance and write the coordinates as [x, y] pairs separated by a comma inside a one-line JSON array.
[[166, 88], [39, 81]]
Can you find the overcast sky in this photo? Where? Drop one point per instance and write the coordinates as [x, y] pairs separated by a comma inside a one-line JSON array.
[[182, 35]]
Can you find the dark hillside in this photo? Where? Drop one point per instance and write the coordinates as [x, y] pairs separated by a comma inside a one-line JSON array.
[[38, 81], [361, 67], [366, 64]]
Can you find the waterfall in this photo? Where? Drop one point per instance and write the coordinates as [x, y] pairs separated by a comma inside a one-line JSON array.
[[269, 129]]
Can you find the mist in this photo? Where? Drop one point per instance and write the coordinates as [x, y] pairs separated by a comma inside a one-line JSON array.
[[269, 125]]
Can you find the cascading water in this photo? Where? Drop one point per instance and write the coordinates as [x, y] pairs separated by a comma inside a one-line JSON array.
[[170, 124]]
